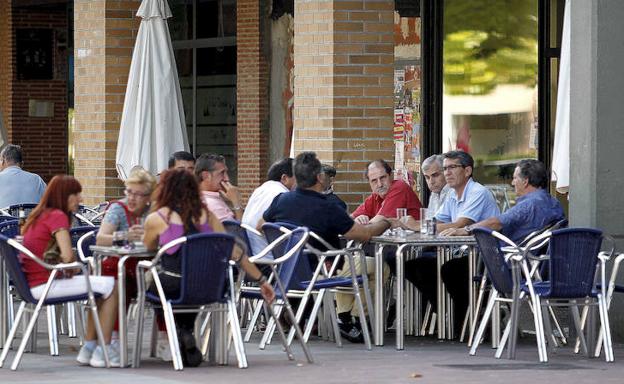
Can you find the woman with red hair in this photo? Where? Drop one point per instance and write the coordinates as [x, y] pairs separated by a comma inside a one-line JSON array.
[[47, 228], [179, 211]]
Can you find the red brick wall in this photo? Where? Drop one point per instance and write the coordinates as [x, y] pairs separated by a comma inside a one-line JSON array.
[[6, 62], [252, 94], [43, 139]]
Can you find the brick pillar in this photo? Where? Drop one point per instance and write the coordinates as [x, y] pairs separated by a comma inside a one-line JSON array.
[[252, 94], [7, 61], [344, 55], [104, 35]]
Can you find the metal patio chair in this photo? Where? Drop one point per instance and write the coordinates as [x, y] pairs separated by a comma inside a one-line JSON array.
[[10, 249]]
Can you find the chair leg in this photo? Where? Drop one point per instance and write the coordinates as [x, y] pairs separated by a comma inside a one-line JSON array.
[[579, 328], [52, 330], [239, 347], [28, 332], [280, 329], [333, 319], [254, 319], [138, 331], [12, 332], [480, 297], [310, 324], [551, 339], [604, 322], [270, 328], [539, 330], [484, 321], [71, 320], [562, 337]]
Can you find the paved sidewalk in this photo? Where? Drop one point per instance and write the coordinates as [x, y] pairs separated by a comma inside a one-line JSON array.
[[425, 360]]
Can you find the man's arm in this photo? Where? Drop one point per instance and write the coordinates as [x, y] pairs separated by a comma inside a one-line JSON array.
[[459, 223], [492, 223], [361, 232]]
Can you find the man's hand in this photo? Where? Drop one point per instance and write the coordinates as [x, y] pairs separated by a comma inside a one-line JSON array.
[[266, 290], [135, 233], [362, 219], [454, 232], [230, 193]]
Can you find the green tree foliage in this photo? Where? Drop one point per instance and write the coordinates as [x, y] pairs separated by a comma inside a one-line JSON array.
[[488, 43]]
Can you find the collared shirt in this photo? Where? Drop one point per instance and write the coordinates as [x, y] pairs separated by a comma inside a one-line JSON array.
[[19, 187], [311, 209], [436, 200], [532, 212], [400, 195], [476, 204], [217, 205], [259, 201]]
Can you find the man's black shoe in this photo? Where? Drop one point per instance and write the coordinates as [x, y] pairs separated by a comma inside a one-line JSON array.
[[351, 332]]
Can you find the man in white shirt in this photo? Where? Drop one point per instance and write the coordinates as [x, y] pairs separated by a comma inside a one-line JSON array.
[[434, 176], [280, 179], [16, 185]]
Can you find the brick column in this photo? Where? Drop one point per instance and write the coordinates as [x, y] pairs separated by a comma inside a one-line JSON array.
[[104, 35], [7, 60], [252, 94], [344, 55]]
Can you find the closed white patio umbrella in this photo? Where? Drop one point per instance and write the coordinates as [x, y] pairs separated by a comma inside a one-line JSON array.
[[561, 150], [152, 122]]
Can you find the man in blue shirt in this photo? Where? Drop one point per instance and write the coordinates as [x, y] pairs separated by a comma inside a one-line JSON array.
[[16, 185], [468, 202], [308, 206], [535, 208]]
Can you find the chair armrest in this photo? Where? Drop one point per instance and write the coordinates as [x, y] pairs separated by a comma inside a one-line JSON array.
[[268, 249], [250, 229], [50, 267], [84, 219]]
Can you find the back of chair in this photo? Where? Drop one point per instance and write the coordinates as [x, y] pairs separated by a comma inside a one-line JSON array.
[[14, 267], [297, 268], [497, 268], [573, 258], [204, 260], [16, 208], [272, 231], [77, 232], [83, 247], [234, 228], [7, 218], [9, 228]]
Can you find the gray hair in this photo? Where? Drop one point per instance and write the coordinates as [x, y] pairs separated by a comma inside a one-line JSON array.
[[12, 154], [434, 159]]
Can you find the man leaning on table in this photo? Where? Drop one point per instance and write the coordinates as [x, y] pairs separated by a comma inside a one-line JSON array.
[[535, 209], [469, 202], [308, 206]]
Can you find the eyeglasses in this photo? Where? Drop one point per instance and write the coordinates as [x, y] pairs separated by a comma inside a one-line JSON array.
[[452, 167], [130, 192]]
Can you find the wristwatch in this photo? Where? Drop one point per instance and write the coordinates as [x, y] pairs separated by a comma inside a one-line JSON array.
[[468, 228]]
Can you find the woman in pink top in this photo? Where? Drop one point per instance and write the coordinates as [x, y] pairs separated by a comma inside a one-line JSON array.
[[179, 211], [49, 222]]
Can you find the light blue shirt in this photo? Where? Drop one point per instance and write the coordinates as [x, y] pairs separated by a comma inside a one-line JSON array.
[[19, 187], [476, 204]]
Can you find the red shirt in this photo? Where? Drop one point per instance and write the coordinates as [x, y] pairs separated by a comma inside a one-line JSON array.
[[36, 239], [400, 195]]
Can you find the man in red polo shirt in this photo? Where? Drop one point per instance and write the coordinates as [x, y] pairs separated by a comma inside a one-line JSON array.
[[388, 195]]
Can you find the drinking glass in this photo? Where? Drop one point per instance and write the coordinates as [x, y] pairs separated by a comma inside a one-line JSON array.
[[424, 215], [120, 238], [401, 214]]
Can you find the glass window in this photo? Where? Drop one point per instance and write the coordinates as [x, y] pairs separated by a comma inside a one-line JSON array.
[[206, 62], [490, 68]]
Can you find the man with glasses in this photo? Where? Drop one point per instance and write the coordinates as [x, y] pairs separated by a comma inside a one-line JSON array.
[[468, 202], [221, 197]]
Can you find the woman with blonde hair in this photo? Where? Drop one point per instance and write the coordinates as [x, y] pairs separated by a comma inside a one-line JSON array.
[[48, 224]]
